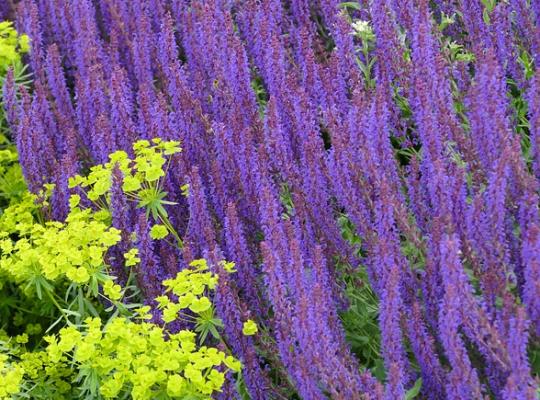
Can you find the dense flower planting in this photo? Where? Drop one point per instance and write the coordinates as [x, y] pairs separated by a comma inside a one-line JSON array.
[[370, 169], [105, 347]]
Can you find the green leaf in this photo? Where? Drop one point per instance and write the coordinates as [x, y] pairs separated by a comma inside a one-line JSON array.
[[214, 332], [241, 388], [379, 371], [71, 312], [353, 5], [415, 390]]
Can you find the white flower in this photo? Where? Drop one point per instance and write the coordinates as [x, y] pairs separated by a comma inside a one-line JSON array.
[[361, 27]]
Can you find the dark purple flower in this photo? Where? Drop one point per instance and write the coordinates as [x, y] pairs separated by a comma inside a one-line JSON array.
[[150, 271], [534, 120], [463, 381], [519, 384]]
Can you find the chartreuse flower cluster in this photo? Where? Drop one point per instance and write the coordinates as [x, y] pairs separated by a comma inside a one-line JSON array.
[[10, 377], [37, 254], [12, 184], [250, 328], [12, 46], [43, 258], [140, 359], [140, 174], [126, 356], [33, 374], [187, 298], [74, 250], [100, 342], [142, 181], [123, 356], [189, 288]]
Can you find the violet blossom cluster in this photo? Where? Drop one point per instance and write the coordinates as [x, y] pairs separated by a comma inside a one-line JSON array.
[[268, 101]]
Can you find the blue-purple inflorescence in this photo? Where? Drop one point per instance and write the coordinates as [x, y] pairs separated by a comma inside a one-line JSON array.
[[286, 125]]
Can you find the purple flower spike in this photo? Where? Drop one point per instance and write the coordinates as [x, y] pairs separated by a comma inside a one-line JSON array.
[[463, 382]]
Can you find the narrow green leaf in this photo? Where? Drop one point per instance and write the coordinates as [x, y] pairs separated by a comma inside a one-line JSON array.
[[415, 390], [353, 5]]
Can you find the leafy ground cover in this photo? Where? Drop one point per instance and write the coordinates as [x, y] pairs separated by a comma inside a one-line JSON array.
[[270, 199]]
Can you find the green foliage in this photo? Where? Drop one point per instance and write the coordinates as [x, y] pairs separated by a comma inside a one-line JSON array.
[[520, 110], [534, 357], [453, 52], [353, 5], [365, 60], [413, 392], [360, 320], [489, 6], [286, 199], [261, 94], [527, 62], [445, 21]]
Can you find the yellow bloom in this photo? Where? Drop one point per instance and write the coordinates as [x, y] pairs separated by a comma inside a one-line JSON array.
[[112, 290], [159, 232], [250, 328]]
